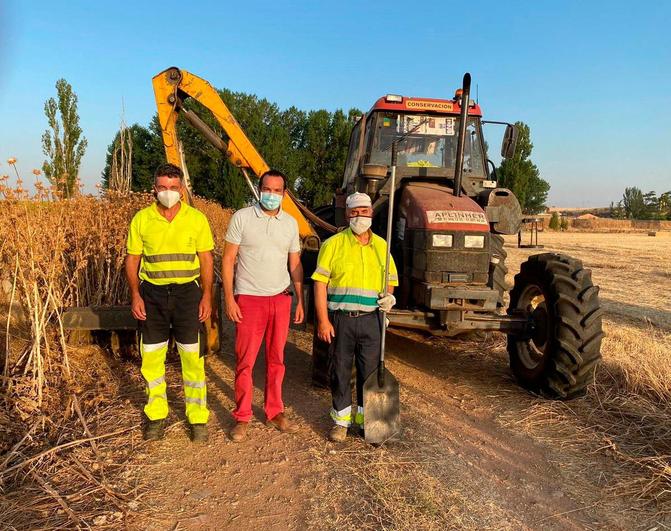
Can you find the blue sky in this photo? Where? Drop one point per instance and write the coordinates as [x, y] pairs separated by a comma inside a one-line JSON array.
[[591, 79]]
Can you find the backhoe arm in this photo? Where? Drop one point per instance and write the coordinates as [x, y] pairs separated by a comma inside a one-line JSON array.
[[171, 88]]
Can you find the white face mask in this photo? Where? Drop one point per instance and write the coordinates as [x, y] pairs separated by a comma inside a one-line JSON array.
[[359, 224], [168, 198]]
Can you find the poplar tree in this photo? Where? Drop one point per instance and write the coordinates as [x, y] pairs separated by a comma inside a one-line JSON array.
[[63, 143]]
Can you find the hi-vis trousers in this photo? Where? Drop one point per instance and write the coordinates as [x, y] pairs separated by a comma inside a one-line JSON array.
[[173, 307], [357, 340]]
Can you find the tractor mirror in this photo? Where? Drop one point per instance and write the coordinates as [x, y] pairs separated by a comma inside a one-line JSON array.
[[509, 142]]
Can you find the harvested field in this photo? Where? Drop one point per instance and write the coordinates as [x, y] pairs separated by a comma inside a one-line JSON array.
[[477, 451]]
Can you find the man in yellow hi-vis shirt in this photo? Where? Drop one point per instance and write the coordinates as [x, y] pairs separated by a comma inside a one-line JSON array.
[[169, 270], [348, 286]]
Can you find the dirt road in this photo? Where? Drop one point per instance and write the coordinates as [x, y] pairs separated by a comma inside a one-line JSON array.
[[463, 461], [460, 462]]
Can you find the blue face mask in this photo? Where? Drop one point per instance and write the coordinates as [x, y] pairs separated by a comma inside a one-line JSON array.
[[270, 201]]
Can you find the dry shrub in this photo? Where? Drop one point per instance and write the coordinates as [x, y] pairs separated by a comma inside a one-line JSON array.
[[56, 254], [627, 414]]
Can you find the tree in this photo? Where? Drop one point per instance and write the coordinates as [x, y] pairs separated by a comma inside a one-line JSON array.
[[651, 205], [310, 148], [633, 203], [63, 143], [665, 205], [554, 221], [563, 224], [522, 176], [617, 210]]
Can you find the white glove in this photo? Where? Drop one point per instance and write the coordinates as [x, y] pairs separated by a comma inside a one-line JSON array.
[[386, 302]]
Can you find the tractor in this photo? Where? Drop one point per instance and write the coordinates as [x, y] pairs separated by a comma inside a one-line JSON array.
[[447, 241]]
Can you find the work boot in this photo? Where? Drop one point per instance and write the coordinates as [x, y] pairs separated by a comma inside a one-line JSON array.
[[281, 422], [153, 430], [338, 433], [358, 428], [199, 433], [239, 431]]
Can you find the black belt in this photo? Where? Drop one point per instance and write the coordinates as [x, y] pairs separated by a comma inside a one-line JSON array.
[[356, 313]]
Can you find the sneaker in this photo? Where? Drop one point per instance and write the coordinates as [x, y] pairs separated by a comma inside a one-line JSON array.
[[199, 433], [239, 431], [281, 422], [153, 430], [338, 433]]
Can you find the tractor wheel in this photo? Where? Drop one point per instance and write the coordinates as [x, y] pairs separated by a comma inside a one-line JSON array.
[[497, 267], [560, 357]]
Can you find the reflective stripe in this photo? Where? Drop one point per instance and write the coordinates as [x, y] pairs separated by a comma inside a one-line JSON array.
[[393, 278], [322, 271], [175, 273], [153, 347], [358, 418], [199, 401], [156, 382], [342, 417], [162, 396], [189, 347], [194, 385], [170, 257], [352, 291]]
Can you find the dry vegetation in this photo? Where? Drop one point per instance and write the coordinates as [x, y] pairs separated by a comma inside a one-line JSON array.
[[627, 413], [66, 459], [56, 254]]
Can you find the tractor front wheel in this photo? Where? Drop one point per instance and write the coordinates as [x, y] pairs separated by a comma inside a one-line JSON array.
[[559, 356]]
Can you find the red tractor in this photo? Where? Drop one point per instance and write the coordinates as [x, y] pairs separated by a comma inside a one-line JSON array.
[[448, 245]]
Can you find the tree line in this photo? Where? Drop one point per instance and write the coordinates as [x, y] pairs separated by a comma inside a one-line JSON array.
[[310, 147], [637, 205]]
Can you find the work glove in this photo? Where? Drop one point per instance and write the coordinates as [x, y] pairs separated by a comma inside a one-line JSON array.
[[386, 302]]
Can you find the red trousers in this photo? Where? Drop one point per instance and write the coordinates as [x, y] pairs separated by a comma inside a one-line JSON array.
[[262, 317]]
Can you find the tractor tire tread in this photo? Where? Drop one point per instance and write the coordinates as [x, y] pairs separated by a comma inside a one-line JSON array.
[[576, 325]]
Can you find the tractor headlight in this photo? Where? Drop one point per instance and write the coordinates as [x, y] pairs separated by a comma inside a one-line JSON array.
[[474, 242], [442, 240]]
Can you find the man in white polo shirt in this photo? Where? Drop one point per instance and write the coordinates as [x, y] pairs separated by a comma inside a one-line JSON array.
[[257, 291]]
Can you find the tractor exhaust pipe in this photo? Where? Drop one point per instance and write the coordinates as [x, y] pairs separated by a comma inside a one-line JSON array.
[[461, 140]]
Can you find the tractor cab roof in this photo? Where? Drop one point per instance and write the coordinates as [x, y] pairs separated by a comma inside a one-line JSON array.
[[397, 103]]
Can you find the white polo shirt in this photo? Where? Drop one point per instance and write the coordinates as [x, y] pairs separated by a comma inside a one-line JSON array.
[[265, 243]]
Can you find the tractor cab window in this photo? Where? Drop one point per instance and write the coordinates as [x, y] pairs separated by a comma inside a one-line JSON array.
[[424, 141]]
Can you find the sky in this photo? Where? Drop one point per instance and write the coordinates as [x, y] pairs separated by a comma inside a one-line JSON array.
[[591, 79]]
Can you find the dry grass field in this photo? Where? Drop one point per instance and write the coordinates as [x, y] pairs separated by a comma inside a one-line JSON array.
[[631, 401], [477, 451]]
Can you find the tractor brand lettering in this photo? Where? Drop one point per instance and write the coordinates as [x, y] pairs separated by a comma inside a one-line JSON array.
[[429, 105], [456, 216]]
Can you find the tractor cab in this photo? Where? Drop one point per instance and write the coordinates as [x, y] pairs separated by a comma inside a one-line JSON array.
[[425, 132]]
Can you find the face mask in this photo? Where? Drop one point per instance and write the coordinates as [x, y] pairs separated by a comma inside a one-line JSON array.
[[359, 224], [168, 198], [270, 201]]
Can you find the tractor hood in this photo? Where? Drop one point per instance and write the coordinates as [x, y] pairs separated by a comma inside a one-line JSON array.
[[434, 207]]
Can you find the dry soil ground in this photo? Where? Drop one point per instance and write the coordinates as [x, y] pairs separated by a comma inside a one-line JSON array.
[[465, 459]]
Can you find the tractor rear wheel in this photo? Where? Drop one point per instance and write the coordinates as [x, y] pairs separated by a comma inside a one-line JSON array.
[[559, 357]]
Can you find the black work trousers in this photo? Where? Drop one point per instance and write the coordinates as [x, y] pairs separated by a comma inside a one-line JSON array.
[[174, 306], [357, 339]]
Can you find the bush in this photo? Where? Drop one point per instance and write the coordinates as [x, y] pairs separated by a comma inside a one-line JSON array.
[[554, 221]]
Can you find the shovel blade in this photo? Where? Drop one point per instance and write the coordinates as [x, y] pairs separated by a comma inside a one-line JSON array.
[[381, 405]]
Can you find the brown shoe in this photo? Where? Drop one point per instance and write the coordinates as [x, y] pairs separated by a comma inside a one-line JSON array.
[[239, 431], [282, 423], [338, 433]]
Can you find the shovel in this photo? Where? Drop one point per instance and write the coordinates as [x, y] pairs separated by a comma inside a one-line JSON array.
[[381, 403]]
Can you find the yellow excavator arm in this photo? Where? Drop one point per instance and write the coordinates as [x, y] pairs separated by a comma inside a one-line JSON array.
[[171, 88]]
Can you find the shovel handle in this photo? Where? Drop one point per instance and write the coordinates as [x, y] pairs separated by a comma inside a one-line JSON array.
[[385, 286]]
